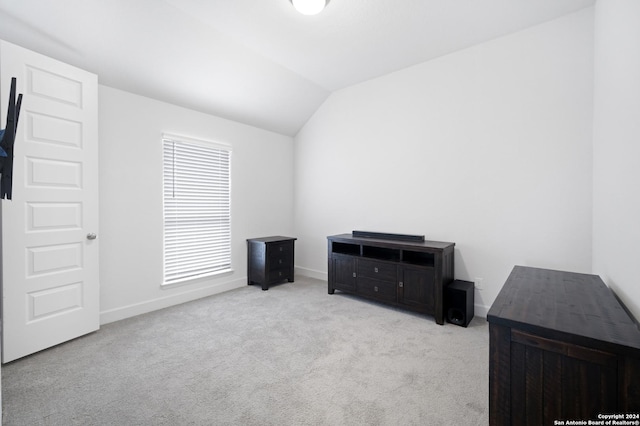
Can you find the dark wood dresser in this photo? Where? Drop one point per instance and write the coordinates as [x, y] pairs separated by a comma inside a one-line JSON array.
[[408, 274], [561, 347], [270, 260]]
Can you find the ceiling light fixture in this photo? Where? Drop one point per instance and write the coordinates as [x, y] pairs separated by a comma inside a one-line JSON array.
[[309, 7]]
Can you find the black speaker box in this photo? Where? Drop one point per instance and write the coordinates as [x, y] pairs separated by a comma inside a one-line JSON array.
[[459, 300]]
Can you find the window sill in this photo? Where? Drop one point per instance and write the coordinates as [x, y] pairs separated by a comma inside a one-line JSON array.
[[196, 278]]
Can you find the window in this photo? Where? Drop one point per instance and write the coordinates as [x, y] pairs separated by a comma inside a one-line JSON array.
[[197, 208]]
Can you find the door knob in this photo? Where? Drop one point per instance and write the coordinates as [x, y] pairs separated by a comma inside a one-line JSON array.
[[91, 236]]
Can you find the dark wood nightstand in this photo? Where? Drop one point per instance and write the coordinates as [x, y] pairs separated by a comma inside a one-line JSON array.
[[270, 260]]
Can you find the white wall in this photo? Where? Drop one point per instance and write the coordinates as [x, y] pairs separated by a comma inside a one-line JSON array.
[[616, 228], [130, 237], [490, 148]]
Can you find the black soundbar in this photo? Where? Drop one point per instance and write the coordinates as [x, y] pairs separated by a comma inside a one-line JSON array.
[[385, 236]]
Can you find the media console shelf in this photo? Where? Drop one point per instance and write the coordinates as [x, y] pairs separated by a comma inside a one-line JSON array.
[[400, 270]]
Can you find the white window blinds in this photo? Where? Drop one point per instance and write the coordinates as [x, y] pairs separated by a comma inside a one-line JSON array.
[[197, 209]]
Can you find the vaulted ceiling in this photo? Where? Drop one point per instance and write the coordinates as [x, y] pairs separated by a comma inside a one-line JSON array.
[[258, 62]]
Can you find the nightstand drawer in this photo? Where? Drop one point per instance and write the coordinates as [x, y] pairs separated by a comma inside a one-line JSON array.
[[279, 249], [377, 270], [276, 262], [280, 255], [279, 275]]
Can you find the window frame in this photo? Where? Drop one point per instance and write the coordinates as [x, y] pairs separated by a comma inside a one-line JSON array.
[[173, 239]]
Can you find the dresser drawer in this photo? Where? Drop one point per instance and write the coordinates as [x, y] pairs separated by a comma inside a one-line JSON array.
[[377, 270], [382, 290]]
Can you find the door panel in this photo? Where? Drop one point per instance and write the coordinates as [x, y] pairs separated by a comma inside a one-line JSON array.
[[44, 216], [50, 269]]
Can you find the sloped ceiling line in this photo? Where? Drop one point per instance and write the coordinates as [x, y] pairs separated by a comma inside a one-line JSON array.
[[258, 62]]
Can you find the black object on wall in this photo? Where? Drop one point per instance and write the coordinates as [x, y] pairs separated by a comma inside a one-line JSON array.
[[7, 140], [459, 301]]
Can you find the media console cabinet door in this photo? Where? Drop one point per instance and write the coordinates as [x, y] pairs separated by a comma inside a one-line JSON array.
[[417, 288], [344, 273]]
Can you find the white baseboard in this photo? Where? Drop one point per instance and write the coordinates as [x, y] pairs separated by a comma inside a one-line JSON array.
[[480, 311], [166, 301], [189, 295], [311, 273]]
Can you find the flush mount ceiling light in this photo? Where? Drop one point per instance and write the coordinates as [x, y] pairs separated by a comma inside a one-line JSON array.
[[309, 7]]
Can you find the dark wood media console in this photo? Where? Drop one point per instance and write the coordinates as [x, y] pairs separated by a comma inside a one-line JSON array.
[[407, 274], [561, 347]]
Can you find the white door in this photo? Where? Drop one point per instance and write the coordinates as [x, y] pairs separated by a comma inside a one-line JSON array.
[[50, 287]]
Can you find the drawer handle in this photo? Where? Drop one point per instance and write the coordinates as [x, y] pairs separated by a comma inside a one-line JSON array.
[[280, 274], [354, 275], [401, 284], [281, 248], [375, 288], [280, 261], [376, 271]]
